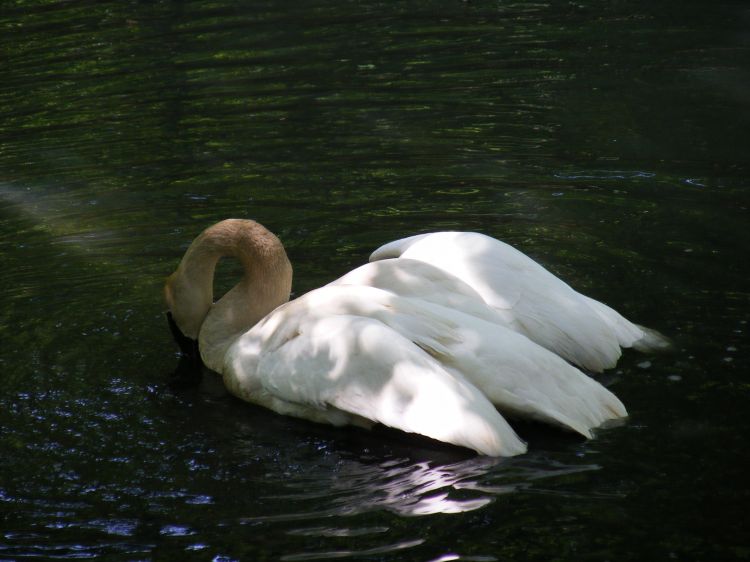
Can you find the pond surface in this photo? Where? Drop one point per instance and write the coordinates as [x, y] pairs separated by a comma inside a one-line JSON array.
[[608, 140]]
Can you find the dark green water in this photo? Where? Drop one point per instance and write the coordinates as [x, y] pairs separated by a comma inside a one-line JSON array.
[[609, 140]]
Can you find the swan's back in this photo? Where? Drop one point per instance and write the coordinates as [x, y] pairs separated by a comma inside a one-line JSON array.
[[534, 301]]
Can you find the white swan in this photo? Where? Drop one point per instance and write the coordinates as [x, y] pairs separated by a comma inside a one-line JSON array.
[[423, 339]]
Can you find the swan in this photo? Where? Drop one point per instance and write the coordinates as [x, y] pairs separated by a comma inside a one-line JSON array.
[[436, 335]]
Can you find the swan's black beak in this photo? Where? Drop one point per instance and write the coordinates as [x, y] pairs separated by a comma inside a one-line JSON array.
[[190, 365]]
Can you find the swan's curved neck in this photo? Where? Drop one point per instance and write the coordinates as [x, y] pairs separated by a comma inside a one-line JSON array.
[[266, 284]]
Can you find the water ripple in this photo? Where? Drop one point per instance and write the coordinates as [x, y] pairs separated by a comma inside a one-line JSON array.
[[605, 175], [335, 554], [336, 531]]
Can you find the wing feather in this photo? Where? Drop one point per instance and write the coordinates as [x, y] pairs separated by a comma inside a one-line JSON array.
[[533, 301], [333, 365]]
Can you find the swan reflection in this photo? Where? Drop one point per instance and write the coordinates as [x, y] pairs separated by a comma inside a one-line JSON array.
[[343, 486]]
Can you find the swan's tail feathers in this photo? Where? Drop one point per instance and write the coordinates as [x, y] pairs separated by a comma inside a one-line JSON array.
[[628, 334], [652, 341], [590, 407]]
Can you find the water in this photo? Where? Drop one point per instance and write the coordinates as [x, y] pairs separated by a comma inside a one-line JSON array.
[[607, 140]]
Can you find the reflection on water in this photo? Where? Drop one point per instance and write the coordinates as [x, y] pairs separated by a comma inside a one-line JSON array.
[[607, 140], [399, 486], [320, 491]]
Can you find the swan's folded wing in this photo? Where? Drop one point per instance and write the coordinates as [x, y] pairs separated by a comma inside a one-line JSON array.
[[415, 278], [517, 375], [355, 365], [478, 260], [533, 301]]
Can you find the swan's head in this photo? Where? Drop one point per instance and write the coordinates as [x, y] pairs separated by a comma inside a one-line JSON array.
[[184, 318], [188, 292], [188, 303], [188, 347]]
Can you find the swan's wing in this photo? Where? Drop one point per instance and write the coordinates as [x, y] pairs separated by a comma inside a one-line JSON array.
[[629, 334], [327, 365], [514, 373], [418, 279], [519, 376], [538, 304]]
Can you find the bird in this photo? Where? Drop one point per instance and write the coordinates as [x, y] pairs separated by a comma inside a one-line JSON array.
[[442, 334]]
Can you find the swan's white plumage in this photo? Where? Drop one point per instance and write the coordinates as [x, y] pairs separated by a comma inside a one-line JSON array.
[[532, 300], [514, 373], [426, 338], [318, 363]]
